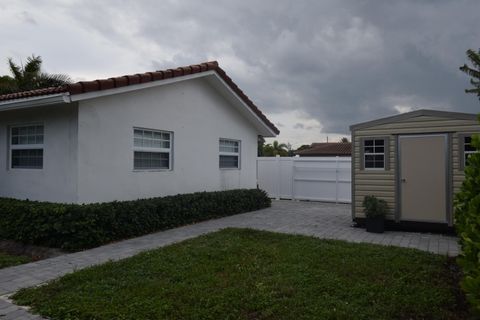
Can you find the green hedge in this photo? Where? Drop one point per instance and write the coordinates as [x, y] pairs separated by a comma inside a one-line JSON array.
[[75, 227], [467, 224]]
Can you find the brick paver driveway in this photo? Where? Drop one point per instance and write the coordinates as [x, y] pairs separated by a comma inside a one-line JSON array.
[[323, 220]]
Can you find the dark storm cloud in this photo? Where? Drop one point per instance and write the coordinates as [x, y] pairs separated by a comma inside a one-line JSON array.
[[339, 62]]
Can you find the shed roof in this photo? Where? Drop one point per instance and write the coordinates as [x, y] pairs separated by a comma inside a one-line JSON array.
[[413, 114], [129, 80]]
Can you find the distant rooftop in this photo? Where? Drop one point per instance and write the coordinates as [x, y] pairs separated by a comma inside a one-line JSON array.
[[327, 149]]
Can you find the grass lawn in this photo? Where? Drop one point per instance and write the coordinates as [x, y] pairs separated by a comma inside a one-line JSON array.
[[246, 274], [7, 260]]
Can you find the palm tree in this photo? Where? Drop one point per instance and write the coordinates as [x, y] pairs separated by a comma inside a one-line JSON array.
[[260, 146], [29, 77], [473, 71], [274, 149]]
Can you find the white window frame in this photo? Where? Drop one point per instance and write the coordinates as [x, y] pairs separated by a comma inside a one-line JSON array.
[[465, 152], [374, 154], [154, 150], [35, 146], [223, 153]]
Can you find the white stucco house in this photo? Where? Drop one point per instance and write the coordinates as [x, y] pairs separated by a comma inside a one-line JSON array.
[[158, 133]]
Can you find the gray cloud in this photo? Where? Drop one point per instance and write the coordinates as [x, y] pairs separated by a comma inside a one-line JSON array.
[[299, 126], [340, 62], [26, 17]]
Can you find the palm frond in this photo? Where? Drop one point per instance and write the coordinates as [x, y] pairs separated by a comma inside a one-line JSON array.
[[476, 90], [30, 77], [471, 72], [474, 57], [53, 80], [474, 72], [15, 70], [34, 64]]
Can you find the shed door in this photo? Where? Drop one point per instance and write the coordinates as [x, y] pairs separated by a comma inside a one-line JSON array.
[[423, 178]]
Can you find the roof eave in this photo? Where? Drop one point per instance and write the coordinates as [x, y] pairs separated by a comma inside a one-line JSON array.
[[38, 101], [267, 131]]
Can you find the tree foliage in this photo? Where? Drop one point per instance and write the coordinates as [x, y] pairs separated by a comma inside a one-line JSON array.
[[274, 149], [473, 72], [260, 144], [467, 224], [467, 204], [29, 77]]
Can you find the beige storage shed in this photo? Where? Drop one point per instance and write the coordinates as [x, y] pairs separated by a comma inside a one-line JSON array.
[[415, 161]]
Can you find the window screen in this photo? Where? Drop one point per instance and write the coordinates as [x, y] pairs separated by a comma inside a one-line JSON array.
[[152, 149], [229, 157], [26, 147]]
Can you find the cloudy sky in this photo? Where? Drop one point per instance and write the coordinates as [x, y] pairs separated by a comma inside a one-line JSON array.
[[314, 67]]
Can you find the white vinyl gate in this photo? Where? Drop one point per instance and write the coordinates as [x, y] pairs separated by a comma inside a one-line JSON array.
[[308, 178]]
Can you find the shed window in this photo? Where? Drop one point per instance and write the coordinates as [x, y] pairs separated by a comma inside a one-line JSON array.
[[374, 153], [152, 149], [229, 157], [468, 149], [26, 147]]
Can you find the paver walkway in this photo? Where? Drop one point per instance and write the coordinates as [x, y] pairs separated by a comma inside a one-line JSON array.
[[322, 220]]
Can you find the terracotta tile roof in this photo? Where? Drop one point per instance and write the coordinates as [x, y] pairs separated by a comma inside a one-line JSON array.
[[33, 93], [327, 149], [127, 80]]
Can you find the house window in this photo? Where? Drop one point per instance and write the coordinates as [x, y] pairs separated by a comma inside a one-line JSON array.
[[229, 154], [152, 149], [374, 153], [468, 149], [26, 147]]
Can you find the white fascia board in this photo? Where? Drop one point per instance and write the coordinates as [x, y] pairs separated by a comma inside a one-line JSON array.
[[134, 87], [249, 110], [35, 101]]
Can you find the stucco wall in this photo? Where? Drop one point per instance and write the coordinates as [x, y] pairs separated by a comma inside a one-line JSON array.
[[57, 180], [196, 114]]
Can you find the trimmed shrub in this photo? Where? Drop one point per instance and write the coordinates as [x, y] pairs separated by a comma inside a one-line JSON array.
[[374, 207], [75, 227], [467, 224]]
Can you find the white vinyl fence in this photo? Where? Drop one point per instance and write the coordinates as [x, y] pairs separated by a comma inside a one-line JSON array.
[[308, 178]]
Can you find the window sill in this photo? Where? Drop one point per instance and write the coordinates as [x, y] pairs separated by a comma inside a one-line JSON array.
[[152, 170]]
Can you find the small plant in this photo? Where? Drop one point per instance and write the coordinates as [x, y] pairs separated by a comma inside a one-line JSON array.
[[375, 212], [375, 207]]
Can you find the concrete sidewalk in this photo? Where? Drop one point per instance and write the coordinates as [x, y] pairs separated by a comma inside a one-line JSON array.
[[322, 220]]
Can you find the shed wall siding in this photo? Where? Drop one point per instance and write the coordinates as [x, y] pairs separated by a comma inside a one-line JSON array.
[[383, 183], [380, 183]]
